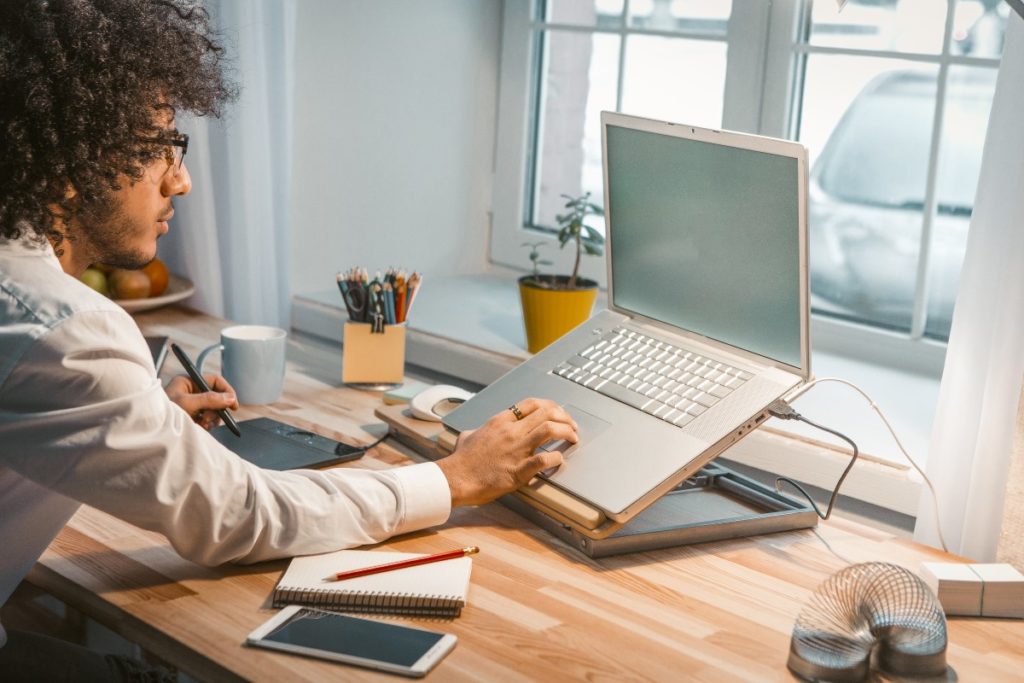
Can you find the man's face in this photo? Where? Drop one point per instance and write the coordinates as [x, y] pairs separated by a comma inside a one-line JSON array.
[[122, 230]]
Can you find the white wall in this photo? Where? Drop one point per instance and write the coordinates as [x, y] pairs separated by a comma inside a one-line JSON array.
[[394, 136]]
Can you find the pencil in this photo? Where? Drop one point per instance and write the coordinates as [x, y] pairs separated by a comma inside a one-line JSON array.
[[402, 564], [412, 287], [400, 298]]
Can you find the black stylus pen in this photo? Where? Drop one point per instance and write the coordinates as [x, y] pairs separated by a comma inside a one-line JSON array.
[[186, 363]]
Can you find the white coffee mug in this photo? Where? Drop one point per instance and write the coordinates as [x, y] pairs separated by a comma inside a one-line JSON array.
[[252, 361]]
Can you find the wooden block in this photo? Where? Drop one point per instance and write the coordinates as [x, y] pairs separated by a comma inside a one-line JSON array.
[[1002, 592], [957, 587], [556, 499]]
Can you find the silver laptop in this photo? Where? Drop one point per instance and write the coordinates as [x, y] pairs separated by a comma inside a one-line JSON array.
[[707, 321]]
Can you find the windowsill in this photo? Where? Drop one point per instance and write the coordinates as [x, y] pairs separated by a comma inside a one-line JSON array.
[[467, 326], [470, 327]]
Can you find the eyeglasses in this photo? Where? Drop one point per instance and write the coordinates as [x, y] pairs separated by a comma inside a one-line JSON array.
[[177, 145]]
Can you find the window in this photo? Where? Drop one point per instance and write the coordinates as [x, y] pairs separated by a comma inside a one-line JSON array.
[[665, 59], [892, 102], [890, 96]]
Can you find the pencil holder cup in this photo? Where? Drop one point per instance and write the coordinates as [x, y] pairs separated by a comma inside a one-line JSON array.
[[373, 359]]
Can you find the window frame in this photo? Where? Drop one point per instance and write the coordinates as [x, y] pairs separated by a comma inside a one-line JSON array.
[[766, 59]]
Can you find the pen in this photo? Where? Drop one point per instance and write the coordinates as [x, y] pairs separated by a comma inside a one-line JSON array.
[[201, 383], [402, 564]]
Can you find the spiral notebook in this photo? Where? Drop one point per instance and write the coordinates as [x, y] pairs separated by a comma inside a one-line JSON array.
[[437, 589]]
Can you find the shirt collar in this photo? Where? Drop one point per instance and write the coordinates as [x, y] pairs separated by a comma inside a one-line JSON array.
[[26, 247]]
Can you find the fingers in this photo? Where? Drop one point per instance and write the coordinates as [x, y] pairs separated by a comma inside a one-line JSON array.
[[542, 421], [551, 431], [218, 383], [527, 407], [546, 416], [180, 390], [221, 385], [537, 410], [207, 419], [209, 400], [538, 463], [202, 407]]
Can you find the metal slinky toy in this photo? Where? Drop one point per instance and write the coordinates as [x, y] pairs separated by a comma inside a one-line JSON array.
[[870, 615]]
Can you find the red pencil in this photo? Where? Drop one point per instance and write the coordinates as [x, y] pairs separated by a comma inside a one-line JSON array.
[[401, 564]]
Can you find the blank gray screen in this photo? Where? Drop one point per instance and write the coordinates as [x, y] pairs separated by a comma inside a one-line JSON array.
[[705, 237]]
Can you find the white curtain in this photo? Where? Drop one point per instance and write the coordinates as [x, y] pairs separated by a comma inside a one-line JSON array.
[[969, 456], [230, 235]]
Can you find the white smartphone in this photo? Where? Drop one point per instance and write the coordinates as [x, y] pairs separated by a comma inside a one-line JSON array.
[[352, 640]]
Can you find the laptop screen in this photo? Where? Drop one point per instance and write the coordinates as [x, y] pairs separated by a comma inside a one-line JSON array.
[[705, 237]]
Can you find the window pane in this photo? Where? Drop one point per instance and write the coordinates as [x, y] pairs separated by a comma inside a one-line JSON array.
[[867, 123], [979, 27], [580, 79], [675, 79], [900, 25], [703, 16], [969, 92], [605, 13]]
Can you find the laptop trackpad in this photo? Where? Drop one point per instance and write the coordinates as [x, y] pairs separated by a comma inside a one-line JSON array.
[[589, 427]]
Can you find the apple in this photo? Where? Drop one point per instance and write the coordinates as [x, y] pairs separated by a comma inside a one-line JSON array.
[[159, 276], [128, 284], [96, 279]]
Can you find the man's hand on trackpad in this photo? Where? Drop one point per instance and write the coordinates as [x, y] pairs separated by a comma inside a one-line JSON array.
[[505, 453]]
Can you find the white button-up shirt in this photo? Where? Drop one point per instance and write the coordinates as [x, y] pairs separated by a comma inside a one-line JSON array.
[[84, 419]]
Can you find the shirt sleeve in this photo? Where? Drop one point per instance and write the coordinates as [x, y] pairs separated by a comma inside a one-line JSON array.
[[85, 415]]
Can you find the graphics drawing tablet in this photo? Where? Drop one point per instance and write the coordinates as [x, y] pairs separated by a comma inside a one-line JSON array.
[[274, 445]]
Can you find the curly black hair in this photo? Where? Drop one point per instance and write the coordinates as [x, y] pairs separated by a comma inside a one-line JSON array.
[[81, 81]]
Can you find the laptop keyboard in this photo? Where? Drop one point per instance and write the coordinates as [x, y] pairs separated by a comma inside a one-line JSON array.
[[660, 379]]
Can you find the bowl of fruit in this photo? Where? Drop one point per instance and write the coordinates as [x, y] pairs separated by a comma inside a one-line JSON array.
[[139, 290]]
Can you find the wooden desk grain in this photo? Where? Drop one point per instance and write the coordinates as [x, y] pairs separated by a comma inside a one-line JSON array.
[[538, 610]]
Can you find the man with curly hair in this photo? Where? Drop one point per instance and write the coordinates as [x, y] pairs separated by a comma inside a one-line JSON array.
[[91, 161]]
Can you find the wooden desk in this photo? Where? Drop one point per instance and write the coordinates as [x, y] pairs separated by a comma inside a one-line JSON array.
[[538, 610]]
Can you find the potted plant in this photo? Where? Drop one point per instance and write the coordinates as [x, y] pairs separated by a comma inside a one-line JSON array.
[[554, 304]]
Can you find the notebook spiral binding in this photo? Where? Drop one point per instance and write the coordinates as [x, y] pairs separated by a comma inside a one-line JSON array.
[[408, 604]]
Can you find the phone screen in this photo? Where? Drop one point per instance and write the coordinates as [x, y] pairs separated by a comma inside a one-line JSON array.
[[356, 637]]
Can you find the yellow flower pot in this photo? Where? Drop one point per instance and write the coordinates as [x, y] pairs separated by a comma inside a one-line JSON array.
[[548, 312]]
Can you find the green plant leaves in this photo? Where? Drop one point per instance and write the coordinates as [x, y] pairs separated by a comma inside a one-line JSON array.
[[571, 228], [593, 235]]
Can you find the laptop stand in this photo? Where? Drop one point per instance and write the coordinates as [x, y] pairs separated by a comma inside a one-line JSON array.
[[715, 504]]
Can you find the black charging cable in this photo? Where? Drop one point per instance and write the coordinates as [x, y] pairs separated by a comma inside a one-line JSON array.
[[784, 411], [346, 449]]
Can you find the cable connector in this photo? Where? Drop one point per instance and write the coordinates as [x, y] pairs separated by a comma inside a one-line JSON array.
[[782, 410]]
